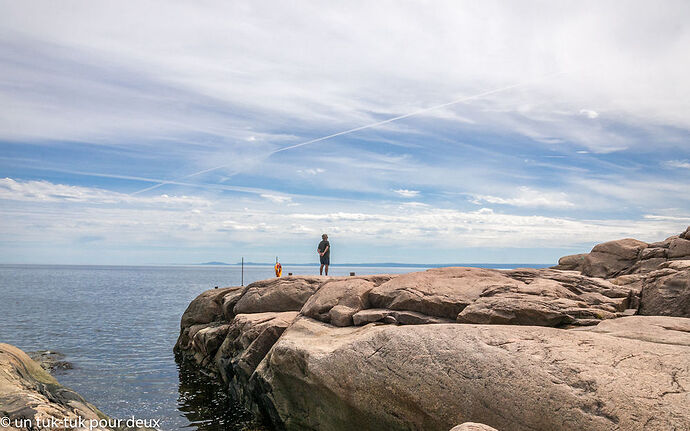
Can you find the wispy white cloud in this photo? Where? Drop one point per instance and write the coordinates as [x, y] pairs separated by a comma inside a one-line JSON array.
[[311, 171], [204, 85], [43, 217], [344, 77], [526, 197], [407, 193], [589, 113], [682, 164], [278, 199], [44, 191]]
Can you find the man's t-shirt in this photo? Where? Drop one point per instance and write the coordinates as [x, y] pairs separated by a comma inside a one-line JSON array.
[[322, 246]]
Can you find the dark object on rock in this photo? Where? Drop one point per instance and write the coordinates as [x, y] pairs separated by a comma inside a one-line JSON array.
[[50, 361]]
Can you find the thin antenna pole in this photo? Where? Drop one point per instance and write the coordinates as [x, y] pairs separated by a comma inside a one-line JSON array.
[[242, 270]]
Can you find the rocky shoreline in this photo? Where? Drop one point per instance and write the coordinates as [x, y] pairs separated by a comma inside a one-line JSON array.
[[599, 342], [31, 399]]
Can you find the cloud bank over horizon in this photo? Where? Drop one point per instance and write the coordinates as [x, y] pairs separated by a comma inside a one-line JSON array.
[[153, 132]]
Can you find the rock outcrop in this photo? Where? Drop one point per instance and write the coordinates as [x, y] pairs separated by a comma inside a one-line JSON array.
[[603, 344], [573, 262], [610, 258], [30, 399], [429, 377]]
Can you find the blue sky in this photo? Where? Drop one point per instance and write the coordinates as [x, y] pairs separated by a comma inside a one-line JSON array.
[[585, 138]]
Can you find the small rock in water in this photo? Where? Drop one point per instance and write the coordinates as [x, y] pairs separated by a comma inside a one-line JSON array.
[[50, 360]]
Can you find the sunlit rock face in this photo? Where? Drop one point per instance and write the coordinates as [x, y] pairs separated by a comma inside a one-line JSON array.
[[598, 342]]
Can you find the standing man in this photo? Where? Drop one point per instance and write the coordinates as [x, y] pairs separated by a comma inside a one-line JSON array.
[[324, 250]]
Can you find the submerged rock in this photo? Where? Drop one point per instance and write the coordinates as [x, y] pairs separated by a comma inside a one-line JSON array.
[[32, 399], [50, 361]]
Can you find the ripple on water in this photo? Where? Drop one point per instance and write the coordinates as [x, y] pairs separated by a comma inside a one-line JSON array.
[[206, 405]]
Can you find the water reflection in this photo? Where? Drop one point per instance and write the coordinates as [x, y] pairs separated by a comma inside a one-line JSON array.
[[207, 405]]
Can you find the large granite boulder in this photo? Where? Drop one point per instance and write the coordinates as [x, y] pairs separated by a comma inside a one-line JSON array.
[[524, 297], [207, 307], [337, 301], [442, 347], [679, 248], [249, 338], [666, 291], [207, 339], [610, 258], [628, 256], [201, 312], [573, 262], [278, 294], [439, 292], [431, 377]]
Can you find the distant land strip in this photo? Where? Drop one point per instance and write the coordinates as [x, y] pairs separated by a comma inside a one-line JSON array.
[[390, 264]]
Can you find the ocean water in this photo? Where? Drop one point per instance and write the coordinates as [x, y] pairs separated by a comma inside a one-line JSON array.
[[117, 325]]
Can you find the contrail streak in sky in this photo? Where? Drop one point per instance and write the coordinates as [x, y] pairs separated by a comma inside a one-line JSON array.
[[346, 132]]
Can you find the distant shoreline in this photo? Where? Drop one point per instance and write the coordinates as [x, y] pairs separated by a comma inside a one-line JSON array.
[[257, 264], [387, 264]]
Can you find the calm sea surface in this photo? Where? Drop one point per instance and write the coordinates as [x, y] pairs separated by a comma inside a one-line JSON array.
[[118, 324]]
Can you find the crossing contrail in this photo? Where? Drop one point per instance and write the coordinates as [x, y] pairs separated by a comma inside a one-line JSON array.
[[347, 132]]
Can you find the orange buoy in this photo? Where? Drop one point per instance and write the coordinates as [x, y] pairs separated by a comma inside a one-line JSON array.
[[279, 269]]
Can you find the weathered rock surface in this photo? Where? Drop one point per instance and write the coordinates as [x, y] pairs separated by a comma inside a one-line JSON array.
[[686, 234], [610, 258], [678, 248], [336, 302], [392, 316], [655, 329], [249, 338], [30, 395], [666, 291], [433, 349], [204, 309], [629, 256], [430, 377], [473, 426], [573, 262], [278, 294], [207, 307], [524, 297]]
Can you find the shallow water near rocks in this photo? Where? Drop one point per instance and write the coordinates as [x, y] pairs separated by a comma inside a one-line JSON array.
[[117, 326]]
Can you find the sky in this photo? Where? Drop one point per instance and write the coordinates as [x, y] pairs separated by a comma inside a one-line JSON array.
[[157, 132]]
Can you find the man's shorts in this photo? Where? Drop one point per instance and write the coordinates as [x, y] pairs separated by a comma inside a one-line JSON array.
[[325, 260]]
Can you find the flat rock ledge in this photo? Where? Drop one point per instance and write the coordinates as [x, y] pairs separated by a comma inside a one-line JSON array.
[[602, 343], [29, 395]]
